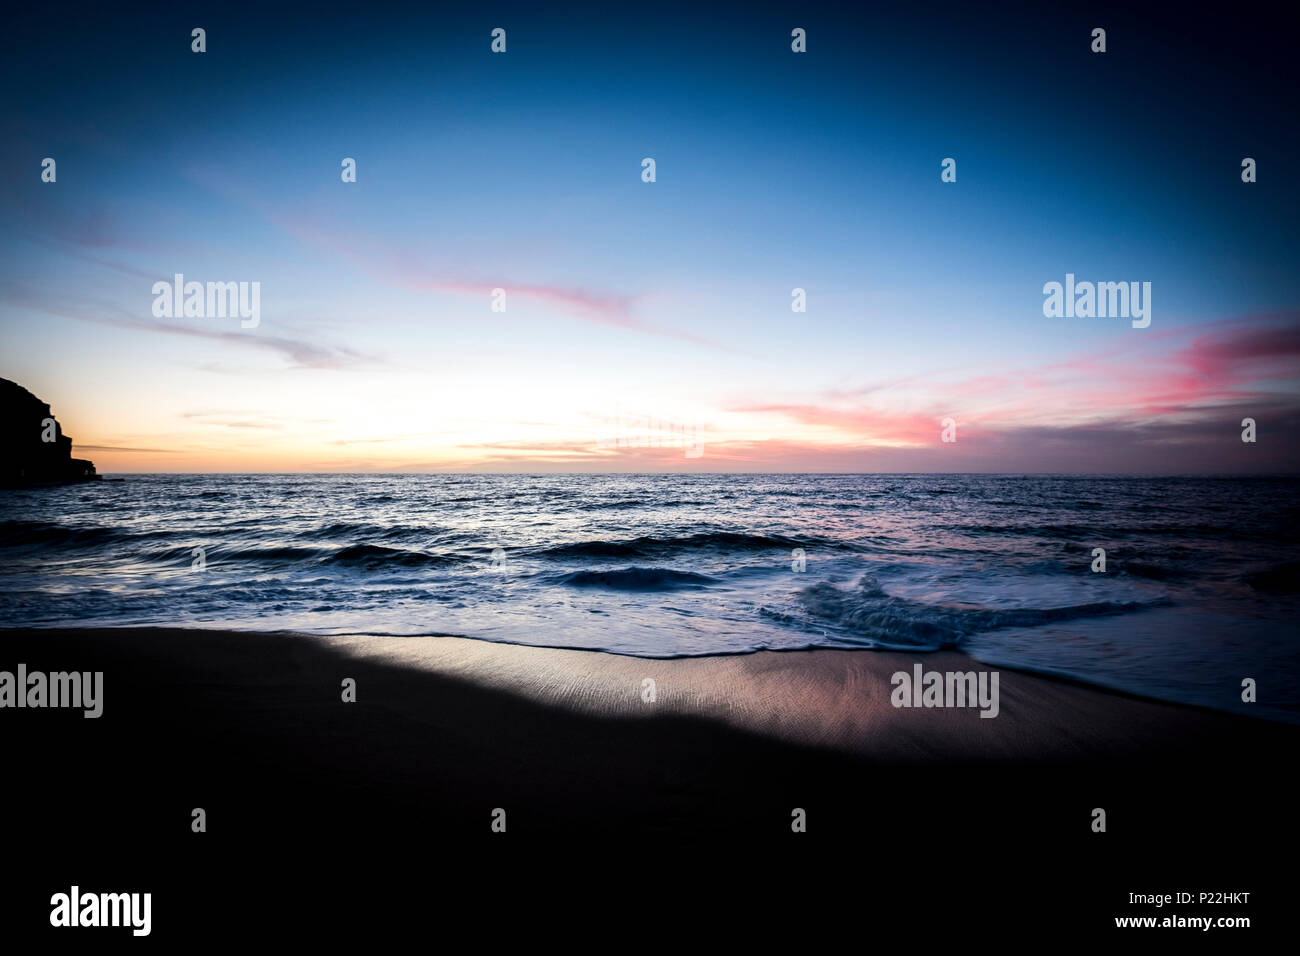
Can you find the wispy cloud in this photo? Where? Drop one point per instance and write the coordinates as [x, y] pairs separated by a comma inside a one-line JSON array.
[[152, 451], [299, 352], [398, 268]]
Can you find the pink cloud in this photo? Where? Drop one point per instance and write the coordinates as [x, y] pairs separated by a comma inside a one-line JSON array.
[[396, 267], [1207, 376]]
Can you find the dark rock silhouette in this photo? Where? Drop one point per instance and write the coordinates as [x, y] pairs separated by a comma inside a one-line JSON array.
[[33, 448]]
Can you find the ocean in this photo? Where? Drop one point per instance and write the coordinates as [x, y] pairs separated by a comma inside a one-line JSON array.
[[1199, 591]]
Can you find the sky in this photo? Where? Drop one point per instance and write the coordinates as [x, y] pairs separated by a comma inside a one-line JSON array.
[[648, 326]]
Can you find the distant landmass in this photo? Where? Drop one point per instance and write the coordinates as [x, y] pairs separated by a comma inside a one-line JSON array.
[[33, 448]]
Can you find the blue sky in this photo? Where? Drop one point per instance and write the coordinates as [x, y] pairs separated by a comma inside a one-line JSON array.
[[377, 348]]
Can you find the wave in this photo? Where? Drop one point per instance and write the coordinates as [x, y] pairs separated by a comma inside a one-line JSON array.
[[354, 531], [1150, 571], [635, 579], [1189, 530], [377, 556], [274, 554], [642, 503], [651, 546], [366, 556], [17, 534], [1281, 579], [866, 611]]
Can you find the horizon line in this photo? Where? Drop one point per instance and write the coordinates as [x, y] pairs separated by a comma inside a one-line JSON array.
[[864, 474]]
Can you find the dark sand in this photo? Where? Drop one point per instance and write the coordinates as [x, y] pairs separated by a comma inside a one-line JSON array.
[[319, 804]]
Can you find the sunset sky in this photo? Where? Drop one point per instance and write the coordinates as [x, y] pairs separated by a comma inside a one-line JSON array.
[[377, 348]]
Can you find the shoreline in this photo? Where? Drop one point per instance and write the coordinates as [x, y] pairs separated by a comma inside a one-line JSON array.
[[402, 649], [832, 698], [1265, 715]]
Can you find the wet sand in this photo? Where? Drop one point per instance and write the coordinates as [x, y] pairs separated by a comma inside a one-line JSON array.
[[836, 699]]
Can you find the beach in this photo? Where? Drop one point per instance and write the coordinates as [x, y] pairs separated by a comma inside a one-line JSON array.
[[831, 699], [444, 732], [568, 732]]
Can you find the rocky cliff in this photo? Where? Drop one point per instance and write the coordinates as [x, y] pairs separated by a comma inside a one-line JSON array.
[[33, 448]]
